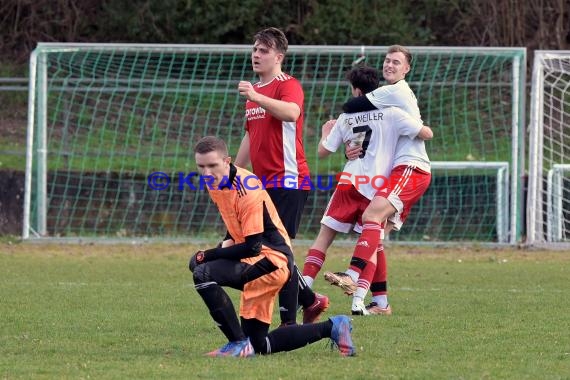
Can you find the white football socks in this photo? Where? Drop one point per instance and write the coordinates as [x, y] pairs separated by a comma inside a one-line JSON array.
[[353, 274], [309, 281], [381, 301]]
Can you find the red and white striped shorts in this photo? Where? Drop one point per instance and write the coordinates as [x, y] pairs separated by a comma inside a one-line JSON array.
[[403, 189]]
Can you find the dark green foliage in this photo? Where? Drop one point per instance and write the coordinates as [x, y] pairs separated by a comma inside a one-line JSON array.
[[363, 22], [371, 22]]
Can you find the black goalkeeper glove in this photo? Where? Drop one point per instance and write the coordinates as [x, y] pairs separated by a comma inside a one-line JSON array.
[[197, 259]]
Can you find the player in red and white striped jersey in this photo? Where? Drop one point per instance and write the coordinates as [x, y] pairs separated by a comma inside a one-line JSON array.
[[273, 143]]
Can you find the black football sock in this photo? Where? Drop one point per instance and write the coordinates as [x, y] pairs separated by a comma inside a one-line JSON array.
[[221, 309], [292, 337], [306, 295], [256, 331], [288, 299]]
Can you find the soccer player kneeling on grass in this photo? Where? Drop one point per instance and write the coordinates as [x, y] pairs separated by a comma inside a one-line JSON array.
[[257, 259]]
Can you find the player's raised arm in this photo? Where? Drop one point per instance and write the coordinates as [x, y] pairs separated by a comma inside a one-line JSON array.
[[325, 132], [358, 104], [280, 109]]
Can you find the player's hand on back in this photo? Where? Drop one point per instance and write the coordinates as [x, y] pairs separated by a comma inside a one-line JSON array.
[[352, 152]]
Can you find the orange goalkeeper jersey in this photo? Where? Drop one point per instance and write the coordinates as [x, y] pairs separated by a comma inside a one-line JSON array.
[[247, 209]]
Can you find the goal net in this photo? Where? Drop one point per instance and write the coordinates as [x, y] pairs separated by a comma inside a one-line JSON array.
[[105, 117], [549, 150]]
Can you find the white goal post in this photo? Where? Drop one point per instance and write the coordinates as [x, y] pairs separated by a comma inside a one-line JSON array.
[[503, 221], [555, 200], [548, 211]]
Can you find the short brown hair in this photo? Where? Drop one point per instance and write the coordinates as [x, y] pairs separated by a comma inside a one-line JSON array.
[[209, 144], [403, 50], [273, 38]]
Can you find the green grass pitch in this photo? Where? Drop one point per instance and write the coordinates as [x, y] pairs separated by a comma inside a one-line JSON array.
[[130, 311]]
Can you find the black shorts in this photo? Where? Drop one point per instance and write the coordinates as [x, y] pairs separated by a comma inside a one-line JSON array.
[[289, 204]]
